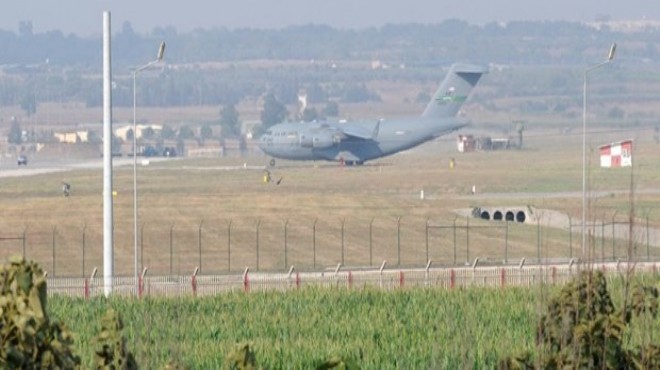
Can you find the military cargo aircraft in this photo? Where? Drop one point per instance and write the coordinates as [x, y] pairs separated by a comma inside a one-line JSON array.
[[354, 143]]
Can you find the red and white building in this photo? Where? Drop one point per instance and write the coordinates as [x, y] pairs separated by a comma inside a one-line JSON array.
[[617, 154]]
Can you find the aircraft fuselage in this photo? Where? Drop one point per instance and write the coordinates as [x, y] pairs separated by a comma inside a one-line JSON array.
[[286, 140]]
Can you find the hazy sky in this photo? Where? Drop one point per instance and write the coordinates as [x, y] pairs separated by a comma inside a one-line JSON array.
[[84, 17]]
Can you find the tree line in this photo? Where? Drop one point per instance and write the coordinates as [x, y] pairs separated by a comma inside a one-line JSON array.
[[208, 66], [519, 42]]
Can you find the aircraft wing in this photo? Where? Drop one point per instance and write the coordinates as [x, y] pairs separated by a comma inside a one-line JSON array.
[[359, 131]]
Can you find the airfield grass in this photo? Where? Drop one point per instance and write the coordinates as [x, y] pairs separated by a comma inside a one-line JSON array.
[[220, 206]]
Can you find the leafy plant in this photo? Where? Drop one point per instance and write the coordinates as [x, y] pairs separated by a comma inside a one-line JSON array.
[[583, 329], [29, 339]]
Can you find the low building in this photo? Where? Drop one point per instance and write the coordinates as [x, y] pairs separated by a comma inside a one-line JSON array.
[[123, 131], [465, 143], [72, 137]]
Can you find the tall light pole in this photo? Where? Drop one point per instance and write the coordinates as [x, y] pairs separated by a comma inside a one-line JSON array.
[[610, 56], [161, 52]]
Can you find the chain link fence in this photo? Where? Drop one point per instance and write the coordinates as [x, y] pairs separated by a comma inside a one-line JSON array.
[[315, 245]]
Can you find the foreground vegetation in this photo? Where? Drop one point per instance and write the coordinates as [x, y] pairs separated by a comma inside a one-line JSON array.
[[405, 329], [408, 329], [583, 326]]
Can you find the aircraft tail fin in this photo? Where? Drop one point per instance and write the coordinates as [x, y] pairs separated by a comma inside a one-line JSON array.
[[454, 90]]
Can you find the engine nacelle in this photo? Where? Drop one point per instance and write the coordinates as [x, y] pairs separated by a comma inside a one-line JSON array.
[[323, 140]]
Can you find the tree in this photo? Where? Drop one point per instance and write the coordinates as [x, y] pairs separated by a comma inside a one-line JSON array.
[[167, 133], [185, 132], [206, 132], [274, 111], [231, 126], [93, 137], [148, 133], [15, 135], [331, 109], [358, 93], [310, 114], [29, 104]]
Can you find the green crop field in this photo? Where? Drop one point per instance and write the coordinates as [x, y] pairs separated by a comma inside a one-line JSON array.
[[404, 329], [383, 330]]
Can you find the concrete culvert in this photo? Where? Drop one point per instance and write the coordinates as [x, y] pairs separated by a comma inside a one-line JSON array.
[[520, 216], [509, 216], [497, 216], [485, 215]]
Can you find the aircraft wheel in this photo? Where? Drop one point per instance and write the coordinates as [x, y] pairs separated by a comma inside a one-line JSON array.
[[272, 162]]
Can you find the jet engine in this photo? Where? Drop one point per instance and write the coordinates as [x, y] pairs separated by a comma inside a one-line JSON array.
[[320, 139], [324, 140]]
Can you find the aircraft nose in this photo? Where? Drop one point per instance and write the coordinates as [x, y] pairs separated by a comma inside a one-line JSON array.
[[262, 143]]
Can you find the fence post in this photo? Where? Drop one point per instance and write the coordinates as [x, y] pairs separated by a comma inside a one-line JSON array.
[[91, 281], [291, 270], [398, 240], [382, 267], [350, 280], [142, 246], [613, 237], [455, 239], [502, 277], [648, 255], [602, 239], [426, 273], [538, 240], [297, 280], [257, 254], [506, 243], [371, 249], [86, 287], [229, 246], [336, 274], [83, 249], [402, 279], [141, 282], [286, 225], [427, 238], [172, 249], [452, 279], [467, 239], [570, 237], [554, 275], [246, 280], [199, 242], [314, 242], [343, 224], [54, 229], [194, 281]]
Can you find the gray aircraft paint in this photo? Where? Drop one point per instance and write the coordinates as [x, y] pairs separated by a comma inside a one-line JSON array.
[[357, 142]]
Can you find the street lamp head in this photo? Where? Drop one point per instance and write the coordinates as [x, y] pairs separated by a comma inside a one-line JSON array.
[[612, 51], [161, 51]]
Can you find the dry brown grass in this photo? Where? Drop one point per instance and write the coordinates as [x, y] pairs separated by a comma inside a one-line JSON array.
[[183, 194]]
